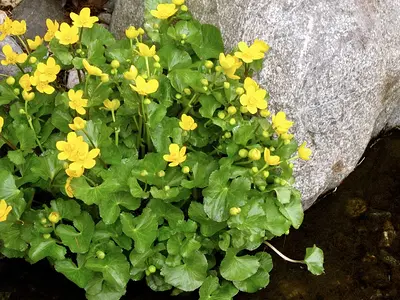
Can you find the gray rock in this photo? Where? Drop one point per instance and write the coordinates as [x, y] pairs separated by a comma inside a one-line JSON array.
[[11, 69], [12, 3], [73, 78], [35, 13], [109, 6], [333, 68], [126, 13], [105, 18]]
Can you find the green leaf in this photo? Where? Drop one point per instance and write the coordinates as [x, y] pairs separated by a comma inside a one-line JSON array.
[[293, 211], [244, 132], [157, 283], [110, 205], [136, 190], [274, 221], [211, 290], [236, 268], [259, 280], [167, 211], [96, 53], [201, 165], [8, 189], [286, 151], [114, 267], [10, 234], [60, 118], [61, 52], [173, 58], [97, 33], [77, 241], [16, 157], [189, 276], [142, 229], [68, 209], [41, 248], [6, 93], [283, 193], [208, 106], [183, 78], [156, 113], [315, 260], [211, 44], [208, 227], [25, 136], [47, 165], [78, 275], [221, 195]]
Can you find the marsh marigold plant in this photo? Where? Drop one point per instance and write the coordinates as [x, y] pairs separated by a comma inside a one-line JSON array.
[[163, 163]]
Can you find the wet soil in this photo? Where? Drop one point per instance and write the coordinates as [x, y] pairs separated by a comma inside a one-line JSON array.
[[357, 226]]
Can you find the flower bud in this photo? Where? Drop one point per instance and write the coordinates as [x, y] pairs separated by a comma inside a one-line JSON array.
[[104, 78], [204, 82], [16, 91], [221, 115], [187, 91], [184, 8], [178, 2], [218, 69], [261, 188], [65, 165], [264, 113], [233, 211], [232, 110], [156, 58], [239, 91], [228, 135], [167, 188], [183, 36], [152, 269], [183, 42], [283, 182], [28, 96], [46, 236], [83, 53], [286, 142], [54, 217], [277, 180], [291, 165], [272, 149], [157, 65], [141, 31], [243, 153], [254, 154], [254, 169], [209, 64], [232, 121], [100, 254], [265, 134], [156, 26], [22, 111], [205, 88], [185, 170], [244, 110], [266, 174], [146, 101], [10, 80], [43, 221], [227, 85], [161, 173], [113, 71], [78, 51], [144, 173], [178, 96], [147, 272]]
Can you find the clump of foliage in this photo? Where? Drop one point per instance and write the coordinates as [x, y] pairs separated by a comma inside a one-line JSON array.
[[163, 163]]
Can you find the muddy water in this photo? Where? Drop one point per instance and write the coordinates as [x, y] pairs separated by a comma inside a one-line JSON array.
[[358, 227]]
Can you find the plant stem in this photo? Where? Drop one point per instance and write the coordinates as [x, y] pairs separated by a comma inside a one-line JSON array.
[[5, 75], [79, 75], [90, 180], [80, 38], [147, 66], [190, 104], [29, 118], [86, 84], [117, 130], [24, 44], [282, 255], [19, 67], [11, 145]]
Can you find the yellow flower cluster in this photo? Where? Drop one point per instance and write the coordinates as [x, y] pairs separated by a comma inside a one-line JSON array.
[[4, 210], [77, 102], [254, 98], [10, 27], [11, 57]]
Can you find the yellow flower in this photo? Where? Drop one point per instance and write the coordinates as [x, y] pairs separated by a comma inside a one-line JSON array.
[[176, 156], [76, 101], [48, 72], [12, 57], [280, 124], [164, 11], [229, 64], [178, 2], [248, 54], [304, 152], [83, 19], [131, 74], [86, 161], [18, 28], [144, 88], [70, 148], [92, 70], [68, 187], [54, 217], [4, 210], [272, 160], [254, 98], [131, 32], [67, 35], [187, 123], [144, 50], [111, 105], [25, 82], [52, 28], [42, 86], [28, 96], [75, 173], [5, 28], [1, 123], [78, 124], [34, 44], [260, 45]]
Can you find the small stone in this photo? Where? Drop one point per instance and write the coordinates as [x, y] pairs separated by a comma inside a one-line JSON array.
[[12, 3], [356, 207], [126, 13], [105, 18], [109, 6], [73, 78]]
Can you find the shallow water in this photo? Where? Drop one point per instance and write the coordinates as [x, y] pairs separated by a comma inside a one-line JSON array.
[[358, 227]]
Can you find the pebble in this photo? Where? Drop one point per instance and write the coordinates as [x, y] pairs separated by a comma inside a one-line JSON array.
[[105, 18]]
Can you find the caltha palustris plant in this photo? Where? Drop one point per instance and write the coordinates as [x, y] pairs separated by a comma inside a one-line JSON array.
[[163, 163]]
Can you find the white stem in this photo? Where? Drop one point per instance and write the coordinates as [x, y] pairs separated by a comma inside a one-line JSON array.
[[282, 255]]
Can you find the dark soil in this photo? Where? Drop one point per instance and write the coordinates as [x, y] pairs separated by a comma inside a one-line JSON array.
[[357, 227]]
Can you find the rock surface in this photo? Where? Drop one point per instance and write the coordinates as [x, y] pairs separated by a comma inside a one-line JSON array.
[[12, 3], [126, 13], [333, 68], [35, 13]]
